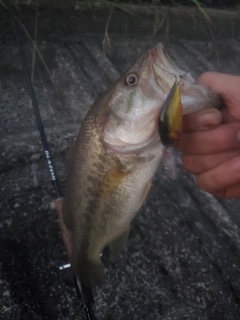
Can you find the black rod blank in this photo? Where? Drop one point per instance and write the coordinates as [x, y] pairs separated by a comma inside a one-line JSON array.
[[86, 298], [36, 110]]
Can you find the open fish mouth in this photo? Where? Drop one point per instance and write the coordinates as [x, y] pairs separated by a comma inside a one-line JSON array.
[[165, 70], [163, 60]]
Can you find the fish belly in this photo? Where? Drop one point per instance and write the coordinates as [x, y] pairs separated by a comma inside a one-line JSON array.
[[104, 192]]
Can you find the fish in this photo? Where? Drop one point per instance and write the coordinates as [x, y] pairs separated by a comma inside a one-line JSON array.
[[116, 155]]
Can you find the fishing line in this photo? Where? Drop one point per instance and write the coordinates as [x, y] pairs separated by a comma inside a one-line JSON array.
[[183, 75], [84, 294]]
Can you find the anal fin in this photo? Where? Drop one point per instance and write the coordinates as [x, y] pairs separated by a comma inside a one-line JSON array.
[[66, 213], [144, 194], [118, 244]]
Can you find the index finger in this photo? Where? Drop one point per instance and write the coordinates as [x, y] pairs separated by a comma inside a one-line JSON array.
[[227, 86], [223, 138], [202, 120]]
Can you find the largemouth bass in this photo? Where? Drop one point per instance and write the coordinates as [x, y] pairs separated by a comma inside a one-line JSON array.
[[116, 155]]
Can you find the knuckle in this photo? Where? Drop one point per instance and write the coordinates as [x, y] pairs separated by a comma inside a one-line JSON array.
[[209, 183]]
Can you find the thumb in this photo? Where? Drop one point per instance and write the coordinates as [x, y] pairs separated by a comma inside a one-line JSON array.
[[228, 87]]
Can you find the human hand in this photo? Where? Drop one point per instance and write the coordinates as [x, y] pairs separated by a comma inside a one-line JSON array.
[[211, 139]]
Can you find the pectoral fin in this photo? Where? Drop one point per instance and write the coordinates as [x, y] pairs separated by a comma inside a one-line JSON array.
[[112, 180], [170, 163]]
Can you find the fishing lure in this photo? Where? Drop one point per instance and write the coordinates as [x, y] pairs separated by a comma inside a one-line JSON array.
[[170, 118], [170, 127]]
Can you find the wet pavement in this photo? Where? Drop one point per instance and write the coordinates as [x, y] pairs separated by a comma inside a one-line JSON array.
[[182, 260]]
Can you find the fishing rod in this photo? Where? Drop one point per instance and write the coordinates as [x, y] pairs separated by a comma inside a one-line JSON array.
[[84, 294]]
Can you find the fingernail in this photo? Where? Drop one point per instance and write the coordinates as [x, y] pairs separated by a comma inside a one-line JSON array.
[[210, 118]]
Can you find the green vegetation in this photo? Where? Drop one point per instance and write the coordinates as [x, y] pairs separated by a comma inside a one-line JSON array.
[[217, 4]]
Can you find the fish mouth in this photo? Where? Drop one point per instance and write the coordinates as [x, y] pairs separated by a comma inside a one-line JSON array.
[[194, 96], [165, 70], [163, 60]]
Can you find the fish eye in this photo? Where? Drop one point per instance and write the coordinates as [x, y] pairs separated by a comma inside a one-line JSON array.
[[132, 79]]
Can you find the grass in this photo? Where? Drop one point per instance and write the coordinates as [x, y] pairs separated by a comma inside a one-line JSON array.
[[159, 20], [82, 4]]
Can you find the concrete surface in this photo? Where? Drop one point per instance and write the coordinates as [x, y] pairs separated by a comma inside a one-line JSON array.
[[182, 260]]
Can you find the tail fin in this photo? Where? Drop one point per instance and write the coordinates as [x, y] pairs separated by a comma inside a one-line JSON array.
[[84, 292], [89, 273]]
